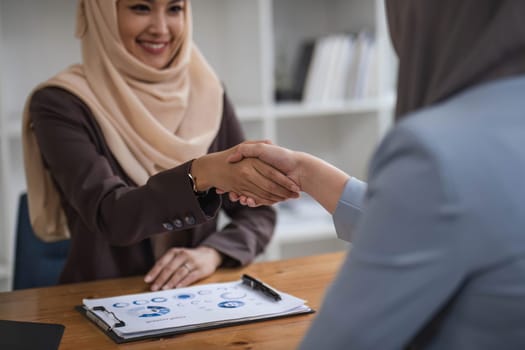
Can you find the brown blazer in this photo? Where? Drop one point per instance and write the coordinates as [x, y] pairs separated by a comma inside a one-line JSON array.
[[113, 223]]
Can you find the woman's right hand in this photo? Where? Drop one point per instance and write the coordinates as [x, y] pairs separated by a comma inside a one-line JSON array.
[[249, 177], [282, 159]]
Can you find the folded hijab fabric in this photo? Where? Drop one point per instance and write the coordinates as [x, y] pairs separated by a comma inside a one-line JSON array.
[[491, 47], [151, 119]]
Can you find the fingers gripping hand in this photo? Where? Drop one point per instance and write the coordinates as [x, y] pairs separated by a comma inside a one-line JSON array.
[[249, 177], [264, 181], [180, 267], [284, 167], [263, 185], [238, 154], [282, 159], [235, 197]]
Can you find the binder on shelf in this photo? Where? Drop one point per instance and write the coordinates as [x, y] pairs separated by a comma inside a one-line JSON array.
[[300, 70], [340, 67], [314, 76], [165, 313], [362, 70]]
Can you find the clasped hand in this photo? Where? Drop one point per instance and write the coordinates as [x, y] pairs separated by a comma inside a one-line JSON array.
[[284, 170], [249, 173]]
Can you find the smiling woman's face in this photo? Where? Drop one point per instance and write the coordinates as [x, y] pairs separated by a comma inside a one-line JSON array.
[[149, 29]]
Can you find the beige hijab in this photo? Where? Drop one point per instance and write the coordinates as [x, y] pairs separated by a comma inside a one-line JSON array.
[[151, 119]]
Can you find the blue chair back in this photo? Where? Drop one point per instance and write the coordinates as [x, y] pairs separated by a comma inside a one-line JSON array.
[[37, 263]]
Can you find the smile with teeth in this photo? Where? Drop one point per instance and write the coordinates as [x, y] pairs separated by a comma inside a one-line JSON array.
[[153, 47]]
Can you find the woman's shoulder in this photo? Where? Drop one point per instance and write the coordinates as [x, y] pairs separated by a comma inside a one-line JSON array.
[[54, 95], [53, 100]]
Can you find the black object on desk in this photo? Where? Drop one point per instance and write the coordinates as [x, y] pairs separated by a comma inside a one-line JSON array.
[[255, 284], [16, 335]]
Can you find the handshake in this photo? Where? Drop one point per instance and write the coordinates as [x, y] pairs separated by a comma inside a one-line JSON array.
[[258, 173]]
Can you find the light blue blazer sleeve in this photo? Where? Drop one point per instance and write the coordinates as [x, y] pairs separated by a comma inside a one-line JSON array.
[[349, 209]]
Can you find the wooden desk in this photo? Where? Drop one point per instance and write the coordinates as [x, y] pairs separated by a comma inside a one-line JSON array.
[[306, 278]]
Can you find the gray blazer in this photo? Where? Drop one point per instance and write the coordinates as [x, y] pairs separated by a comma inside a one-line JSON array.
[[438, 255]]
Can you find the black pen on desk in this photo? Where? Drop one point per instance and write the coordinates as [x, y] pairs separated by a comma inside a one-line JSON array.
[[255, 284]]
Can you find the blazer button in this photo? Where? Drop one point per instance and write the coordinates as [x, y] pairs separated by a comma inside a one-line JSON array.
[[190, 220], [178, 223], [167, 225]]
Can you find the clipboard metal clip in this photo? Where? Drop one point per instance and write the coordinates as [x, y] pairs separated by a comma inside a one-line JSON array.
[[118, 322]]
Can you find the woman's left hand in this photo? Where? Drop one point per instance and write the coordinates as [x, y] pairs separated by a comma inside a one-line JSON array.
[[180, 267]]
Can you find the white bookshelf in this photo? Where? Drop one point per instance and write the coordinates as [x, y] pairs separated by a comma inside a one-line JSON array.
[[348, 108], [247, 42]]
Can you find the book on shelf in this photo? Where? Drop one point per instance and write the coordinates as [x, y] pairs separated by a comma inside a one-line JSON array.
[[317, 70], [304, 57], [335, 68], [361, 72]]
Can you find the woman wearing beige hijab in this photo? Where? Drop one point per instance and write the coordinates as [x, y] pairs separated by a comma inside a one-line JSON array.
[[116, 151]]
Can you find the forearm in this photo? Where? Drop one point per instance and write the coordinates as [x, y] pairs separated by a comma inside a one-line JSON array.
[[321, 180], [165, 203]]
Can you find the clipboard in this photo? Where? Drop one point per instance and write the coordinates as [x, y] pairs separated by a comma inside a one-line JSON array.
[[133, 317]]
